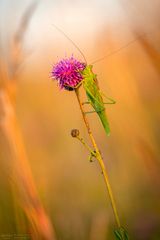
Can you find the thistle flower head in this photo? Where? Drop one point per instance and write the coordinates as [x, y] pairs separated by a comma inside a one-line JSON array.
[[68, 72]]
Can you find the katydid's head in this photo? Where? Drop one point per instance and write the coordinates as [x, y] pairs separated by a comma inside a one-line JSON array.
[[88, 69], [68, 73], [87, 72]]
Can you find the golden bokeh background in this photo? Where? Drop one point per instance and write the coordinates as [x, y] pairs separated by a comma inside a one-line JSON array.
[[67, 193]]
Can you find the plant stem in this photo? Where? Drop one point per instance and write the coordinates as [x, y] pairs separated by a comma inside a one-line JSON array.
[[100, 160], [89, 149]]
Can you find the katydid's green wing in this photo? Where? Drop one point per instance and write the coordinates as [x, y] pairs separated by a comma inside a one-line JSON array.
[[94, 96]]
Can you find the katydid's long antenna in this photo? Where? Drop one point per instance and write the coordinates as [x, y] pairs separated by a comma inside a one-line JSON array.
[[75, 45], [119, 49]]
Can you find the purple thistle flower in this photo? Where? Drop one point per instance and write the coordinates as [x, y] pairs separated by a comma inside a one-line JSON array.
[[68, 73]]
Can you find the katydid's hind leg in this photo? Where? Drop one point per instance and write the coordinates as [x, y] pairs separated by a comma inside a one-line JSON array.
[[86, 103], [98, 110], [90, 112], [111, 101]]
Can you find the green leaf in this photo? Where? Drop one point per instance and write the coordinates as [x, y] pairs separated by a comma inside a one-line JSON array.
[[121, 234]]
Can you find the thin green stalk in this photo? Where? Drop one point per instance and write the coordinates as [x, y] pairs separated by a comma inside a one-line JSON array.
[[98, 156]]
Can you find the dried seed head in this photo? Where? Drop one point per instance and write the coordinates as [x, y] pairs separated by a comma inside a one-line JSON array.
[[74, 132]]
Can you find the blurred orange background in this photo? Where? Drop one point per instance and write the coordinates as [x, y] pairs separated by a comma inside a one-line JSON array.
[[126, 35]]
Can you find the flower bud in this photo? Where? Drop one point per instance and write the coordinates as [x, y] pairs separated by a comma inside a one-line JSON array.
[[75, 133]]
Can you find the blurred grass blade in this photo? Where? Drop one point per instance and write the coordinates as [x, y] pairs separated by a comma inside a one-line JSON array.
[[17, 54], [15, 162]]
